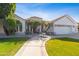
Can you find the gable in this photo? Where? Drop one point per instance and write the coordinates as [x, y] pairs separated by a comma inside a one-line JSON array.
[[19, 19], [65, 20]]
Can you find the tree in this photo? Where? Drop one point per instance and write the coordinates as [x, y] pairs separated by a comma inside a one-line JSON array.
[[7, 9], [33, 22], [34, 25], [6, 13], [12, 25], [46, 25]]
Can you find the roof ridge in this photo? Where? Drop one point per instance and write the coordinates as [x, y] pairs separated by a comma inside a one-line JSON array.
[[60, 17]]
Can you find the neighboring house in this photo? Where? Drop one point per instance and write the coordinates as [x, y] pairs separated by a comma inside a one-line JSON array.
[[63, 25]]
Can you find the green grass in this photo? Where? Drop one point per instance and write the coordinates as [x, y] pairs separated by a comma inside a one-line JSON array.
[[9, 46], [62, 47]]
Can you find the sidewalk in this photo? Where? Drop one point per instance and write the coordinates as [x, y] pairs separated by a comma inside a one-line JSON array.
[[34, 47]]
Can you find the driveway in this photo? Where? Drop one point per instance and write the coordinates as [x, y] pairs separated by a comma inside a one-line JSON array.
[[75, 35], [34, 47]]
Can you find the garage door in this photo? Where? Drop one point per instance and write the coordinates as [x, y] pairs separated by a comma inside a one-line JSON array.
[[62, 30]]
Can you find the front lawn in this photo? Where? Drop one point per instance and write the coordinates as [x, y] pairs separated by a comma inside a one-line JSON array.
[[62, 47], [9, 46]]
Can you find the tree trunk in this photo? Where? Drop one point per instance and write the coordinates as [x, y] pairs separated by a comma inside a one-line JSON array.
[[5, 26], [6, 31]]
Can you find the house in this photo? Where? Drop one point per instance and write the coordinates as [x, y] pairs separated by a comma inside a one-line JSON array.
[[25, 27], [63, 25]]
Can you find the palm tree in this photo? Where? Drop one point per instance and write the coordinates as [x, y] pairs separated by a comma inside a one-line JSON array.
[[33, 25], [45, 26]]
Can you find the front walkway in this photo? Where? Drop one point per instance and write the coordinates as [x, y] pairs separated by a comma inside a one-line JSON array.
[[34, 47]]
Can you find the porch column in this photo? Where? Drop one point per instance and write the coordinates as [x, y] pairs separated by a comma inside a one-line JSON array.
[[18, 29], [29, 28], [32, 30], [40, 28], [23, 26]]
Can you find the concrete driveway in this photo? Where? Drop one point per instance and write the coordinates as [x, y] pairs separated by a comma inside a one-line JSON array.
[[34, 47], [75, 35]]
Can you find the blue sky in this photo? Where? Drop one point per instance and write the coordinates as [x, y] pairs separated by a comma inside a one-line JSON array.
[[48, 11]]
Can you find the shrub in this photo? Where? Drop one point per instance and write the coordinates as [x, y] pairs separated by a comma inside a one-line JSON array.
[[12, 25]]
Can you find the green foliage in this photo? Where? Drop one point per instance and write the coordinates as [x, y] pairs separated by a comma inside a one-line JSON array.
[[12, 25], [7, 9], [7, 16], [18, 22], [34, 25]]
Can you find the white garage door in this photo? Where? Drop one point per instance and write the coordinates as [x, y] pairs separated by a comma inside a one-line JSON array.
[[62, 30]]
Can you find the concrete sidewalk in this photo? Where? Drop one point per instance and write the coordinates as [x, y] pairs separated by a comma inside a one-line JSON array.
[[34, 47]]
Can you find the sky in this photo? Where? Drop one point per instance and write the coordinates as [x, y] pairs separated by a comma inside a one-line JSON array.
[[47, 11]]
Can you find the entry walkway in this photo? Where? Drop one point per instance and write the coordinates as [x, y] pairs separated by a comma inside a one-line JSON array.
[[34, 47]]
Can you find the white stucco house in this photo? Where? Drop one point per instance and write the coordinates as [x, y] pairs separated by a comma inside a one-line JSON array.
[[63, 25]]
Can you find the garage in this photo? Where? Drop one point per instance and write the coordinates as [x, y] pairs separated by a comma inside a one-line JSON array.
[[62, 30], [63, 25]]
